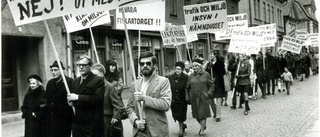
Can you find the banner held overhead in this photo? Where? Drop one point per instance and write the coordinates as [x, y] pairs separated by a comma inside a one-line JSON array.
[[291, 44], [235, 21], [245, 41]]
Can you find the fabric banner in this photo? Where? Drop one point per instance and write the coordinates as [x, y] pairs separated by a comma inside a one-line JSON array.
[[269, 34], [79, 22], [149, 16], [206, 17], [291, 44], [173, 35], [314, 38], [236, 21], [28, 11], [245, 41]]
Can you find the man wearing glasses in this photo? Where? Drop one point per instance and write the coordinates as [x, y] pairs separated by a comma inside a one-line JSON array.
[[87, 97], [59, 113], [153, 93]]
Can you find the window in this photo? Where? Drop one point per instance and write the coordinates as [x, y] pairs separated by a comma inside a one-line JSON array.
[[258, 9], [173, 8], [272, 15], [255, 8], [232, 9], [281, 18], [264, 11], [187, 2], [269, 13]]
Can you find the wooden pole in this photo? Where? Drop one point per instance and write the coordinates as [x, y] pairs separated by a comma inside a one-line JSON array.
[[188, 52], [235, 79], [139, 50], [179, 53], [139, 104], [94, 45], [58, 60]]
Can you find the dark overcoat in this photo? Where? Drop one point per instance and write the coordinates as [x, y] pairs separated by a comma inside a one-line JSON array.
[[88, 120], [34, 103], [272, 68], [178, 105], [261, 76], [59, 113], [197, 91], [217, 71]]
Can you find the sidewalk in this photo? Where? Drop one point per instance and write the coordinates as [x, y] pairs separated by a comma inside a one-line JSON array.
[[314, 130]]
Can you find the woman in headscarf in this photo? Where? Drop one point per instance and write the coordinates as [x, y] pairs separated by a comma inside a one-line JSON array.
[[198, 90], [33, 108], [178, 83]]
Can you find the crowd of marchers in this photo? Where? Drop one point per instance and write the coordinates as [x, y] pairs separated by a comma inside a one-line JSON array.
[[92, 105]]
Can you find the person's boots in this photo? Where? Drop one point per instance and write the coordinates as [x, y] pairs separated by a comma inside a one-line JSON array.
[[247, 108]]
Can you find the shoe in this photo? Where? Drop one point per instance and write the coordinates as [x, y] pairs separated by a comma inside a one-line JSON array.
[[233, 107], [264, 97], [250, 97], [180, 134], [279, 90], [288, 93], [217, 119], [245, 113], [214, 115], [184, 128], [273, 93], [240, 106], [283, 90], [268, 93], [225, 104]]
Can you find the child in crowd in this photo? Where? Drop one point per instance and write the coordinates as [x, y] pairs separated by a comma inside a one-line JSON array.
[[287, 79]]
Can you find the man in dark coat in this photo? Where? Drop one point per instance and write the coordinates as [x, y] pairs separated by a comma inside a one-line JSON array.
[[59, 113], [272, 71], [87, 97]]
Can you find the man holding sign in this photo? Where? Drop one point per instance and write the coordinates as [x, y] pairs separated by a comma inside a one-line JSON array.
[[154, 94]]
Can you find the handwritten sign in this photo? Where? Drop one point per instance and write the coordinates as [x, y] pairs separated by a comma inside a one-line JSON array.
[[269, 34], [206, 17], [245, 41], [79, 22], [149, 16], [291, 44], [314, 39], [173, 35], [28, 11], [190, 37], [236, 21], [303, 35]]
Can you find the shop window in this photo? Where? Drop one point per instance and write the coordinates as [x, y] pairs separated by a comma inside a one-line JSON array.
[[173, 8]]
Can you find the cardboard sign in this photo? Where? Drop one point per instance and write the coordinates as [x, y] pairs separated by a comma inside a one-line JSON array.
[[236, 21], [190, 37], [149, 16], [245, 41], [303, 35], [173, 35], [291, 44], [269, 34], [314, 39], [79, 22], [28, 11], [206, 17]]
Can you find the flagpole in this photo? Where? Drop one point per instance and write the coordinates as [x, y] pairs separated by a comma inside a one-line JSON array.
[[94, 45], [58, 60], [139, 50]]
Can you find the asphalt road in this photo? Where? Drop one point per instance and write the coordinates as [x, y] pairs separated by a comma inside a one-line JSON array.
[[280, 115]]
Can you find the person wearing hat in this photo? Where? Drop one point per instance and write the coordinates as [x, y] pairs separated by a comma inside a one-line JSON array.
[[59, 113], [33, 108], [178, 83], [199, 87]]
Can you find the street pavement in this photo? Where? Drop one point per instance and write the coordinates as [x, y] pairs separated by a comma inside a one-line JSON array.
[[280, 115]]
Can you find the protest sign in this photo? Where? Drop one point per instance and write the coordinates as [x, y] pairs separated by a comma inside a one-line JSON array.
[[303, 35], [236, 21], [291, 44], [79, 22], [190, 37], [173, 35], [269, 34], [245, 41], [206, 17], [28, 11], [314, 39], [148, 16]]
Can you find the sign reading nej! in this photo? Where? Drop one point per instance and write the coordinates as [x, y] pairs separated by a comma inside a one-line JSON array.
[[291, 44], [245, 41], [314, 39], [269, 34], [79, 22], [28, 11], [235, 21], [148, 16], [173, 35], [206, 17]]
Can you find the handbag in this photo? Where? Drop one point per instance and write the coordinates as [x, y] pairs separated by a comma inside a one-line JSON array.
[[123, 114], [227, 84]]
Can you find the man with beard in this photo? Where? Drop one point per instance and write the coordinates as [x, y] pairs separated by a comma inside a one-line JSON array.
[[59, 113], [153, 94]]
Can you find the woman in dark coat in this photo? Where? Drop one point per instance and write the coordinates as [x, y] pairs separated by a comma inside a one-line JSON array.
[[178, 83], [217, 70], [272, 71], [198, 90], [261, 77], [33, 108]]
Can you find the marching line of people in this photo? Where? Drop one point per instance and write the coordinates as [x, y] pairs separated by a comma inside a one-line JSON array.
[[99, 107]]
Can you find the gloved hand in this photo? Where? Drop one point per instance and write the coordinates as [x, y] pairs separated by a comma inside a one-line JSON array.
[[238, 76]]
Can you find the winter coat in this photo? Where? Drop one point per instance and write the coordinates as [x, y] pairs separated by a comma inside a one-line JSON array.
[[34, 103], [261, 76], [217, 71], [272, 68]]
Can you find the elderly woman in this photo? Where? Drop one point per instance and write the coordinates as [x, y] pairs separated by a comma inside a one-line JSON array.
[[113, 76], [112, 106], [178, 83], [198, 90], [243, 80], [33, 108]]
